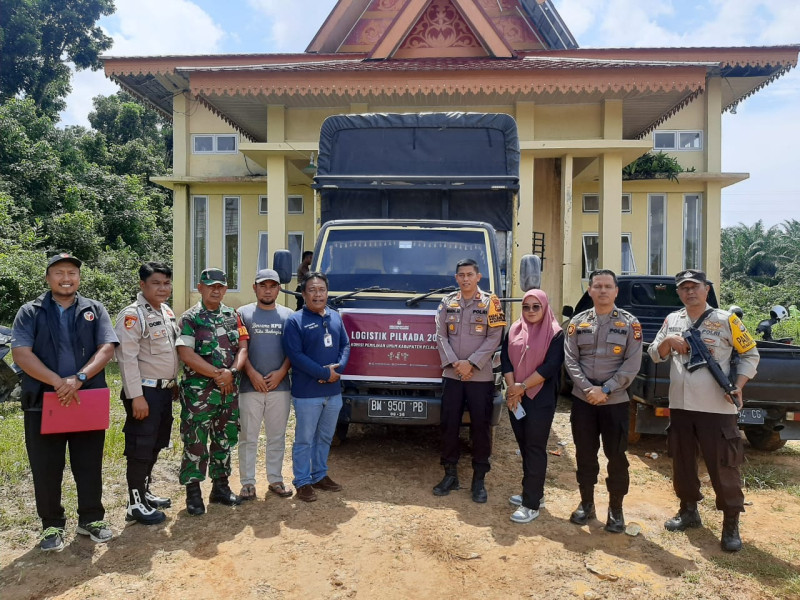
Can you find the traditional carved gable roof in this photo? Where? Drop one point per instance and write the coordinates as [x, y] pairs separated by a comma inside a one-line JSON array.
[[439, 28]]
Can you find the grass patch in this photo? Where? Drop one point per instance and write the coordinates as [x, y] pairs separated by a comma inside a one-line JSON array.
[[764, 477], [780, 577]]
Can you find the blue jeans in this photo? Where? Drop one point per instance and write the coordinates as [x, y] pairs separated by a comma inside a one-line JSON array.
[[315, 424]]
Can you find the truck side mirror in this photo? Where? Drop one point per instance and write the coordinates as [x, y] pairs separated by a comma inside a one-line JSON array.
[[282, 263], [567, 311], [530, 272]]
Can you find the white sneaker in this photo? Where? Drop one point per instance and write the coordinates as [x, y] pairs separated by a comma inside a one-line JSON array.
[[524, 514], [516, 500]]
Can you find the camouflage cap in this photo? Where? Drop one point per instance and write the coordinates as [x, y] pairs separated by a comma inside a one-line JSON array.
[[214, 276]]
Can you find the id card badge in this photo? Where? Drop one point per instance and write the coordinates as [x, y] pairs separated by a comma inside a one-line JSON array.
[[327, 339]]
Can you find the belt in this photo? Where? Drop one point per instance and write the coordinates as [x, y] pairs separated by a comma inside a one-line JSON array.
[[164, 384]]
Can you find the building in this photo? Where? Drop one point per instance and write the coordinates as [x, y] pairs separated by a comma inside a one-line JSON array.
[[246, 132]]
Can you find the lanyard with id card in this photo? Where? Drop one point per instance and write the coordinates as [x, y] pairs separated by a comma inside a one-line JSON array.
[[327, 339]]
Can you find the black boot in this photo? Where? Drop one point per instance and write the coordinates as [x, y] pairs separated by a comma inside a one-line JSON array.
[[688, 516], [731, 542], [585, 510], [448, 483], [140, 511], [479, 493], [221, 493], [155, 500], [616, 520], [194, 499]]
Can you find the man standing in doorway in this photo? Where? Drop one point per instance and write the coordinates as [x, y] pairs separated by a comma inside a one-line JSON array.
[[317, 345], [702, 415], [264, 394], [469, 328], [602, 355], [62, 342], [148, 363], [213, 346]]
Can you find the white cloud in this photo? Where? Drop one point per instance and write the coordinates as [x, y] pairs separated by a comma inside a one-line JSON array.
[[291, 27]]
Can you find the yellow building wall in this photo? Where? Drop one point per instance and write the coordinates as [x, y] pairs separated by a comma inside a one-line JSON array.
[[690, 118], [203, 121], [569, 122]]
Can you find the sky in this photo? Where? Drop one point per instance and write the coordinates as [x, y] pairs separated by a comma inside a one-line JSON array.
[[759, 139]]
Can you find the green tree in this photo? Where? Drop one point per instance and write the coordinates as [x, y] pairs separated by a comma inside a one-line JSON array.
[[39, 37]]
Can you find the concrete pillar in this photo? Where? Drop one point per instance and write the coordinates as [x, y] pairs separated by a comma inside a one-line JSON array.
[[181, 140], [712, 231], [277, 181], [181, 249], [610, 219], [523, 234], [570, 275], [713, 141]]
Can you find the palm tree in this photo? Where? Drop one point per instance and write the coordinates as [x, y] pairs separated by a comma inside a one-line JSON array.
[[753, 252]]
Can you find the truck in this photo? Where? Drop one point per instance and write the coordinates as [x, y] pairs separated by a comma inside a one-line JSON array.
[[770, 414], [428, 190]]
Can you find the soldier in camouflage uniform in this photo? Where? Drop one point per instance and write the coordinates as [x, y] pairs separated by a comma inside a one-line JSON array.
[[213, 346]]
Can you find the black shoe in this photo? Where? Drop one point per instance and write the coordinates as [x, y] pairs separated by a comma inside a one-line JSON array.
[[155, 500], [479, 493], [687, 516], [616, 520], [52, 539], [194, 499], [221, 493], [731, 542], [448, 483], [142, 512], [582, 514], [98, 531]]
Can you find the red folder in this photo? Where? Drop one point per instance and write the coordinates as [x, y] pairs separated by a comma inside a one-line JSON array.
[[90, 415]]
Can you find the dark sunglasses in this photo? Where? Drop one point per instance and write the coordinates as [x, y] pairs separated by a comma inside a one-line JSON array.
[[531, 307]]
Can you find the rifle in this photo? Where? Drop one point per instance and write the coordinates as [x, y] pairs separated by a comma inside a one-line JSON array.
[[700, 357]]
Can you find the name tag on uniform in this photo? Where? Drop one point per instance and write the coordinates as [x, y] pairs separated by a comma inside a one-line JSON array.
[[327, 339]]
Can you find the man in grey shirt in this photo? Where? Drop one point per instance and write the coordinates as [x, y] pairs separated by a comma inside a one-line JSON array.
[[264, 394]]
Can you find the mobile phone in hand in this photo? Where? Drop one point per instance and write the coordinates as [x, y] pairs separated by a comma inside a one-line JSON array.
[[519, 412]]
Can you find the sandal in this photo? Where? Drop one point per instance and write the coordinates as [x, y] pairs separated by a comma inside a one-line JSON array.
[[248, 492], [280, 489]]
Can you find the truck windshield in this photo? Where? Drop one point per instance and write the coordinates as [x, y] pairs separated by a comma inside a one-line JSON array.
[[413, 260]]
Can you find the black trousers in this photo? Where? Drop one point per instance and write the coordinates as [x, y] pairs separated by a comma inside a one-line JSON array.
[[145, 438], [592, 424], [47, 455], [532, 433], [717, 437], [477, 396]]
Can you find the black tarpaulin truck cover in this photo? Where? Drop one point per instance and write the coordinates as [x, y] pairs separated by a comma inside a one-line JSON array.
[[448, 166]]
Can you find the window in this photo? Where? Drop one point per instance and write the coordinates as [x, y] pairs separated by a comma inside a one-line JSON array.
[[295, 240], [295, 205], [263, 207], [591, 203], [678, 140], [199, 237], [656, 234], [263, 250], [692, 231], [230, 249], [222, 143], [591, 248]]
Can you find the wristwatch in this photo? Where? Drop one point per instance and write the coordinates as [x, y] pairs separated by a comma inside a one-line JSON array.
[[81, 376], [523, 384], [605, 389], [234, 371]]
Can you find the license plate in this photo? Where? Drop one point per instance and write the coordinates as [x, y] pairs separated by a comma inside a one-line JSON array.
[[399, 409], [754, 416]]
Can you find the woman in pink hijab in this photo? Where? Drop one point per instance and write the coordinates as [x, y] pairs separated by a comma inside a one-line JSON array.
[[531, 355]]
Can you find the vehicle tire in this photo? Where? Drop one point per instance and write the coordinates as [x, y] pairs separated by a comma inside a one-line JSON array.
[[633, 435], [764, 439]]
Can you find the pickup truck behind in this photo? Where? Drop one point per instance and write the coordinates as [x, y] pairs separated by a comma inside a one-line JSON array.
[[771, 412]]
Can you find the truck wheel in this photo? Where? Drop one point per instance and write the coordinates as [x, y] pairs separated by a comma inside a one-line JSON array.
[[764, 439], [633, 435]]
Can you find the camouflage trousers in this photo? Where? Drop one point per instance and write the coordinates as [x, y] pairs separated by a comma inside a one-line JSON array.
[[207, 417]]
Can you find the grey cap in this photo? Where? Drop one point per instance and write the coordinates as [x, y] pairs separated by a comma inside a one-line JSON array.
[[268, 275]]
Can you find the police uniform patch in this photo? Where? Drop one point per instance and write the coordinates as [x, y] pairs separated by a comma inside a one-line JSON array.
[[169, 312], [478, 328], [617, 349], [585, 325], [481, 305], [742, 341], [637, 331], [451, 327], [571, 329], [130, 321], [619, 323], [89, 316], [496, 315]]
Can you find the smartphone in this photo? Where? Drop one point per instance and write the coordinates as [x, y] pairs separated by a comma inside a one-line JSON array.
[[519, 412]]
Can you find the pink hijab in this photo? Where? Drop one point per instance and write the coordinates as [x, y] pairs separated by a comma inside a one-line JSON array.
[[528, 343]]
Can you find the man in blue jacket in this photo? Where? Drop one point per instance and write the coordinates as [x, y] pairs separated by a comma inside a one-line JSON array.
[[317, 346], [62, 342]]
